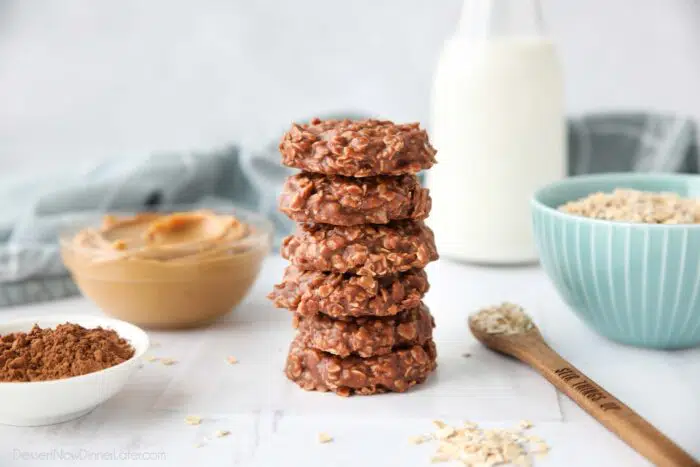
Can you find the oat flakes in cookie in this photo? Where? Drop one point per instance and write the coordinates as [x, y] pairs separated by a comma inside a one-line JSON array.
[[343, 296], [357, 280], [357, 148], [375, 250], [366, 337], [397, 371], [340, 200]]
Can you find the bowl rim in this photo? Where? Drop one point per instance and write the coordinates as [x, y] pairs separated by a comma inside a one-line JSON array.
[[134, 332], [537, 204]]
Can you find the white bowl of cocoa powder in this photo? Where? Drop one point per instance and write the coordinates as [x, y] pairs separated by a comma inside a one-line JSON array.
[[58, 368]]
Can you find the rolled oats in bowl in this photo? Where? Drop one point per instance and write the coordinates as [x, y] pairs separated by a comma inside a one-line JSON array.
[[629, 205], [623, 250]]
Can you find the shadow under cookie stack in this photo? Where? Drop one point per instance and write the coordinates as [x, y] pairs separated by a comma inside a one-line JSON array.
[[356, 279]]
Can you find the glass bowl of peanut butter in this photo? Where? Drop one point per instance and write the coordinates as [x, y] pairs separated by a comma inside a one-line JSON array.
[[173, 269]]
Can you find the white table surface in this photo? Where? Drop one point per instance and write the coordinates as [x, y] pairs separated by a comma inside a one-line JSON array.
[[147, 417]]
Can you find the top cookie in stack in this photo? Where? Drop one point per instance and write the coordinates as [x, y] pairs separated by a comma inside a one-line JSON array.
[[357, 148], [356, 280]]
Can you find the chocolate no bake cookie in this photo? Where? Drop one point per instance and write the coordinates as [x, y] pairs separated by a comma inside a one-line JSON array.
[[356, 281], [345, 295], [365, 337], [340, 200], [375, 250], [357, 148], [397, 371]]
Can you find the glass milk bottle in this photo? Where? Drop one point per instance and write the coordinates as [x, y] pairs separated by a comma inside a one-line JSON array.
[[499, 127]]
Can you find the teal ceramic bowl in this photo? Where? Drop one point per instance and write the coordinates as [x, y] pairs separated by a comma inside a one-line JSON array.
[[637, 284]]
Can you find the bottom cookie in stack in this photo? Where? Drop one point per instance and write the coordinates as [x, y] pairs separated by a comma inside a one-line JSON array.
[[363, 356]]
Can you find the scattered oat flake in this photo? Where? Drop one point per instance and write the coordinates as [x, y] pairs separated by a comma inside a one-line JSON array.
[[193, 420], [541, 448], [198, 445], [232, 360], [151, 358], [168, 361], [445, 432], [324, 438], [525, 424], [222, 433], [473, 446], [417, 439]]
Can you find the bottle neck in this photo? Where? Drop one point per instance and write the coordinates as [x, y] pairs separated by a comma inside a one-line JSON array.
[[486, 19]]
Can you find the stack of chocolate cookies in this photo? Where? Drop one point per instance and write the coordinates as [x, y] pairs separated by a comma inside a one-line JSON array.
[[356, 281]]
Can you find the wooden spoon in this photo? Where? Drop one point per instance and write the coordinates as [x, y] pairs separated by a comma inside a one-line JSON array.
[[529, 346]]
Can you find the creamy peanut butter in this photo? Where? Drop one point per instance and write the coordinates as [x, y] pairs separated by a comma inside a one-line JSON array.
[[188, 236], [167, 270]]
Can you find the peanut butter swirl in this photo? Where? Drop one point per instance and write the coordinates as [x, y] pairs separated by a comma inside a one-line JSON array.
[[178, 238]]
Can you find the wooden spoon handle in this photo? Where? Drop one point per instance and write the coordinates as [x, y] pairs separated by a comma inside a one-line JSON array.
[[608, 410]]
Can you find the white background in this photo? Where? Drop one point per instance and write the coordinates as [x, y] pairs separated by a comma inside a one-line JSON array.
[[84, 79]]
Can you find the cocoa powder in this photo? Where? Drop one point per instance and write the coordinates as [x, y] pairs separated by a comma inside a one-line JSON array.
[[66, 351]]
